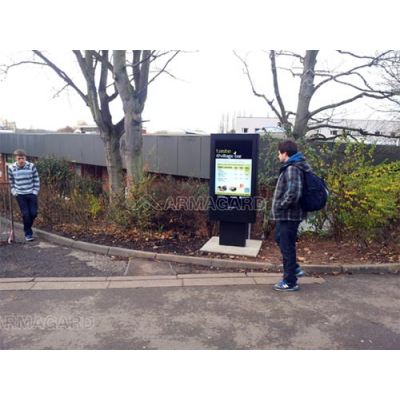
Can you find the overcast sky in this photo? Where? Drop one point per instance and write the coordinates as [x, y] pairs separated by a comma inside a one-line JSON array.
[[207, 85]]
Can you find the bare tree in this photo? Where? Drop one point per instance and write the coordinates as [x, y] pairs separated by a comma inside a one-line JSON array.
[[104, 84], [391, 77], [227, 123], [133, 94], [95, 95], [313, 80]]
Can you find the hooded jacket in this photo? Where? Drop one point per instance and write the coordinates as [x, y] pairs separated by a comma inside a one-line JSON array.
[[288, 190]]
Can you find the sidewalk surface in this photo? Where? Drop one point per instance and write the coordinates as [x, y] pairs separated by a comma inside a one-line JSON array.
[[345, 312], [155, 302]]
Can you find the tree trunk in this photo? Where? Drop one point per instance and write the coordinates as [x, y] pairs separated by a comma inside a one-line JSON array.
[[133, 143], [113, 161], [133, 100], [99, 103], [305, 94]]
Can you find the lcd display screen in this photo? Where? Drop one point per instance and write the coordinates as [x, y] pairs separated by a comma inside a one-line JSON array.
[[233, 168]]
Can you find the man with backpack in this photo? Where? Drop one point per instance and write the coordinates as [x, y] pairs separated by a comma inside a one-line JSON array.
[[287, 211]]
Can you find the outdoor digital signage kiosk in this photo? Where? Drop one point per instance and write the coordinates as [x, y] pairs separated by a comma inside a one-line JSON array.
[[233, 185]]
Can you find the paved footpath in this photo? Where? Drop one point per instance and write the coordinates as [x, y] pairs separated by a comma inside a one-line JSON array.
[[129, 282], [345, 312], [151, 304]]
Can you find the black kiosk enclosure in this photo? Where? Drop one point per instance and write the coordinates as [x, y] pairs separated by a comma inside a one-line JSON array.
[[233, 185]]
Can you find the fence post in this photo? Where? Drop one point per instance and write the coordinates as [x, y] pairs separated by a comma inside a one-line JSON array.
[[6, 208]]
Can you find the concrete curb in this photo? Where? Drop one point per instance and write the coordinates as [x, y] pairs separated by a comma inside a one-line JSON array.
[[393, 268], [104, 283]]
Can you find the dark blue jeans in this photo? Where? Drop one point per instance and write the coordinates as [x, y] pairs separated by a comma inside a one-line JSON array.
[[285, 237], [29, 206]]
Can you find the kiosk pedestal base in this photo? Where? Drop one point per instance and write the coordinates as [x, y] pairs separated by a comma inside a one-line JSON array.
[[252, 248], [232, 234]]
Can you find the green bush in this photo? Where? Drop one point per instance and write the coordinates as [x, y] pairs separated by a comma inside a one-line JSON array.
[[364, 198], [68, 198], [55, 173], [133, 208], [269, 170], [370, 199], [182, 204]]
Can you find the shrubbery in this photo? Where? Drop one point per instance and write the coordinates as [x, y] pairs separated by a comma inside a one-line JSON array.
[[364, 198], [269, 165], [163, 203], [182, 205], [133, 208], [66, 197], [55, 173], [154, 203]]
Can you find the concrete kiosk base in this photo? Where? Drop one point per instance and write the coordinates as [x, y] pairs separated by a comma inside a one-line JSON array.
[[251, 250]]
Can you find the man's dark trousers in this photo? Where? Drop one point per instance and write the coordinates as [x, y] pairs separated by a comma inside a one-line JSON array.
[[285, 237], [29, 207]]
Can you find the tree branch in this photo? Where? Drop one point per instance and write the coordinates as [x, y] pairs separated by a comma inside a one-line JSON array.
[[6, 68], [350, 100], [361, 131], [144, 79], [269, 102], [101, 59], [61, 74], [363, 57], [276, 85], [165, 66], [372, 62]]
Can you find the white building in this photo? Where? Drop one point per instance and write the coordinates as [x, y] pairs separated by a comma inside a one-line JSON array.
[[390, 128], [255, 124], [7, 127]]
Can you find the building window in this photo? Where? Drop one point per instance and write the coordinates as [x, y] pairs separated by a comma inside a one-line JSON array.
[[245, 130], [334, 132]]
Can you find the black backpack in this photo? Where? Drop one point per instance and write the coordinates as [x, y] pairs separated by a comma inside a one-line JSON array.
[[315, 192]]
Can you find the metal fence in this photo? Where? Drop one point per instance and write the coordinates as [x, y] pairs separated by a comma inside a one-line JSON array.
[[6, 214], [180, 155]]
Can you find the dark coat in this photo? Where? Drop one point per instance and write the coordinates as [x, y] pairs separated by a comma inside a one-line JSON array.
[[288, 190]]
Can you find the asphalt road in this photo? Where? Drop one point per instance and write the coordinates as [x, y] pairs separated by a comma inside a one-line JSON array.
[[360, 311], [44, 259], [346, 312]]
